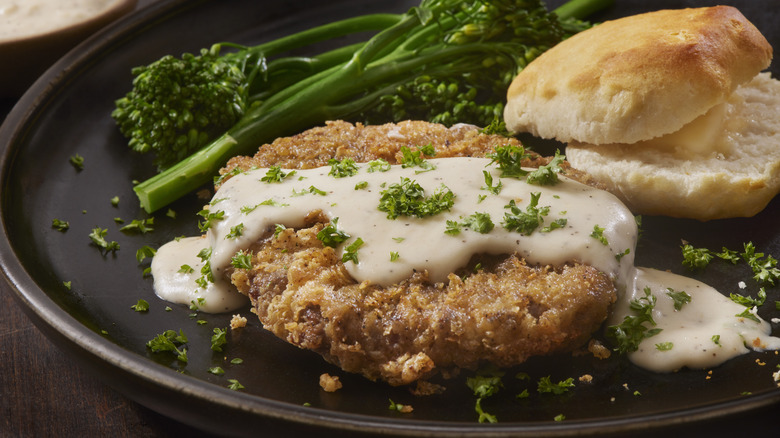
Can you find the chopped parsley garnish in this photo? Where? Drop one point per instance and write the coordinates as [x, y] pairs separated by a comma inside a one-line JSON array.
[[598, 234], [483, 386], [525, 222], [764, 267], [278, 228], [237, 361], [242, 260], [218, 339], [510, 159], [416, 158], [479, 222], [350, 252], [748, 313], [273, 203], [494, 189], [545, 385], [453, 228], [496, 127], [378, 165], [77, 161], [68, 284], [313, 190], [619, 256], [168, 341], [547, 175], [235, 232], [207, 276], [559, 417], [209, 218], [143, 252], [233, 172], [680, 298], [217, 371], [664, 346], [696, 258], [554, 225], [399, 407], [629, 334], [235, 385], [407, 198], [343, 168], [716, 340], [331, 236], [275, 174], [115, 201], [394, 256], [186, 269], [141, 306], [749, 301], [361, 185], [98, 238], [60, 225], [142, 226]]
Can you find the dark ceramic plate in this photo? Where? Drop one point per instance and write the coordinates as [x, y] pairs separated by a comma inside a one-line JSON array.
[[67, 112]]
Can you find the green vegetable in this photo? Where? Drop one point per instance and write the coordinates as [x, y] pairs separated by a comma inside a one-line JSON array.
[[547, 175], [60, 225], [343, 168], [275, 174], [598, 234], [444, 61], [407, 198], [350, 252], [331, 236], [168, 341], [545, 385], [218, 339], [680, 298], [141, 306], [525, 222], [98, 238], [629, 334]]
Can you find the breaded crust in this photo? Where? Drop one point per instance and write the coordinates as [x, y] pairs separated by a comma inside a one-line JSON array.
[[638, 77], [503, 312]]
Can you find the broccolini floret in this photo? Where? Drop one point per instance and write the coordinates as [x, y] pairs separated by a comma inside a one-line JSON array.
[[445, 61]]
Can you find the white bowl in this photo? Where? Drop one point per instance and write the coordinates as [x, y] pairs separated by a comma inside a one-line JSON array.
[[25, 58]]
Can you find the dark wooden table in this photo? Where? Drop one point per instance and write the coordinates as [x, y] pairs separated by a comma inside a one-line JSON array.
[[44, 393]]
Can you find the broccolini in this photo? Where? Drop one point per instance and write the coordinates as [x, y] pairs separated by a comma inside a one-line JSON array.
[[444, 61]]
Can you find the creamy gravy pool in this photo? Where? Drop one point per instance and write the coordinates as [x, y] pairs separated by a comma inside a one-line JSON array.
[[22, 18], [392, 249]]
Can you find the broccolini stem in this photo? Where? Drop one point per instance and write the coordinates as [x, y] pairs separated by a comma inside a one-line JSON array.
[[384, 61], [328, 31], [581, 8]]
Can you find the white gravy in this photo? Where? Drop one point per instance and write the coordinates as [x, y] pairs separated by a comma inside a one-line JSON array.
[[22, 18], [421, 244]]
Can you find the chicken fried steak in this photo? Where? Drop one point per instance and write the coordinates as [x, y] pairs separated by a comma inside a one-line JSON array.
[[497, 309]]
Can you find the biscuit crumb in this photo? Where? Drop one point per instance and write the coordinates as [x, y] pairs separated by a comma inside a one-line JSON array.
[[330, 383], [598, 349], [586, 378], [237, 321]]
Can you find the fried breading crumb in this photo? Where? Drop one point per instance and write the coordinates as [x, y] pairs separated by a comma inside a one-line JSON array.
[[424, 388], [237, 321], [586, 378], [598, 349], [330, 383]]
